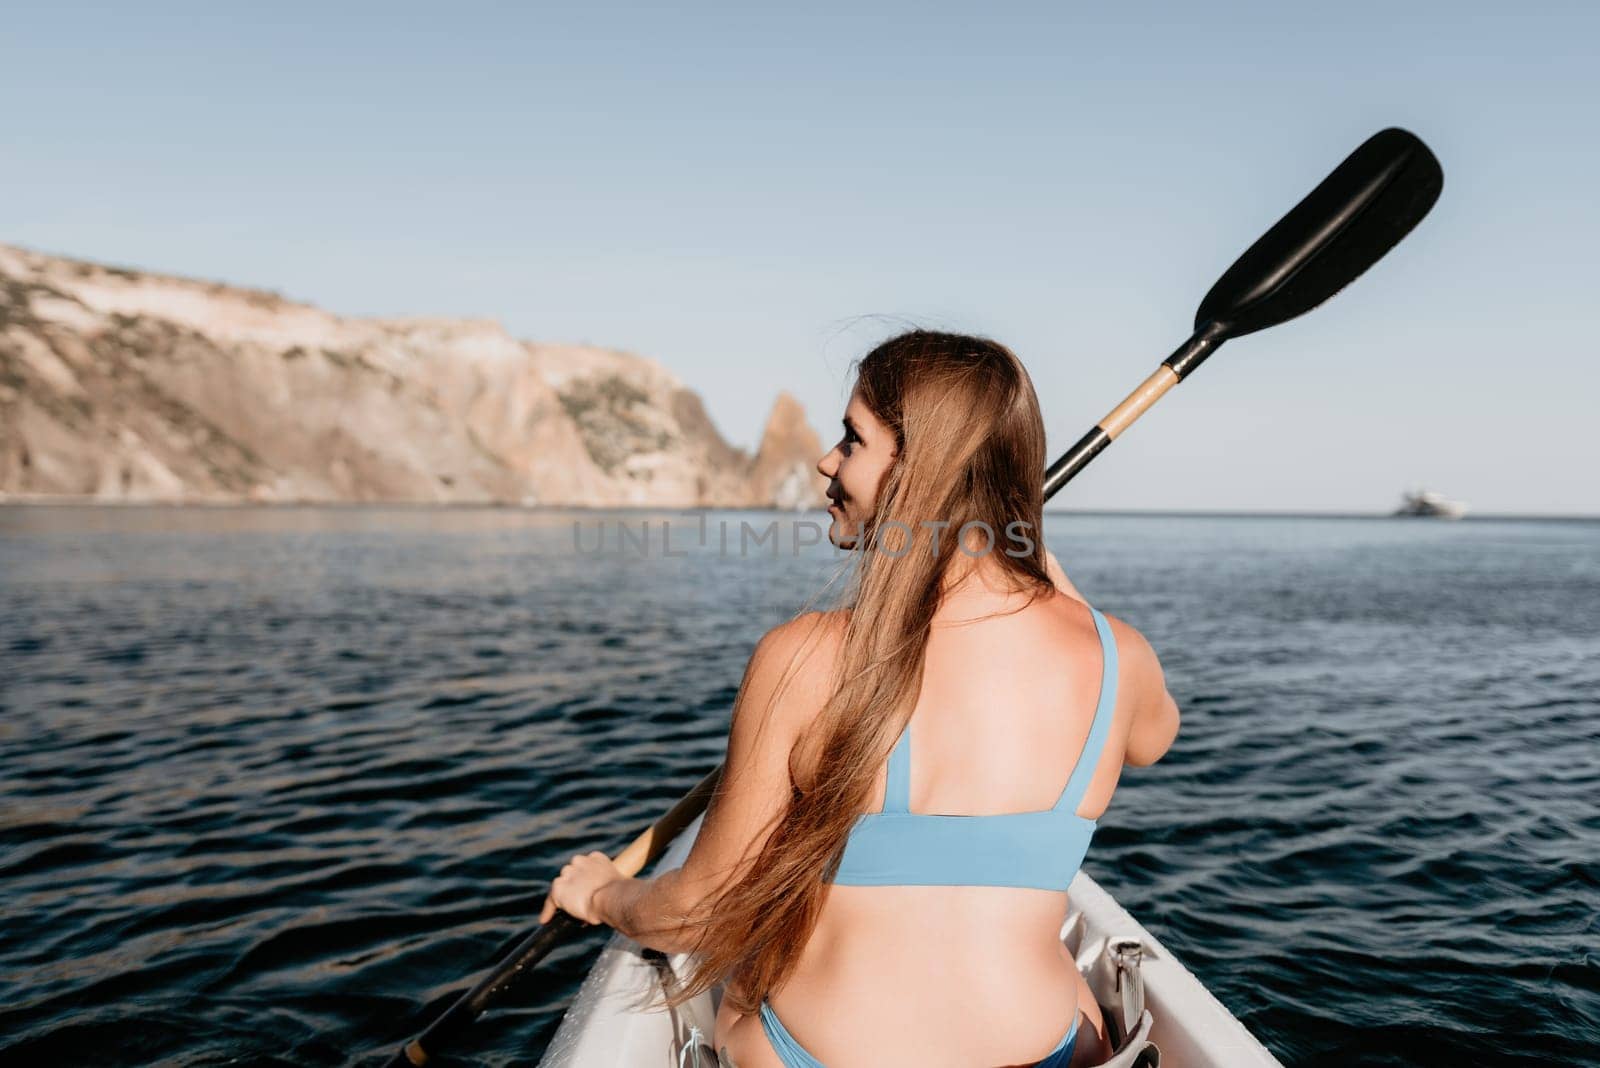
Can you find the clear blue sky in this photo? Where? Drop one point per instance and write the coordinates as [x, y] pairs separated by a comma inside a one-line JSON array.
[[731, 191]]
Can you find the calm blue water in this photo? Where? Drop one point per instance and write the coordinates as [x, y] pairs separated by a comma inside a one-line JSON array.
[[276, 781]]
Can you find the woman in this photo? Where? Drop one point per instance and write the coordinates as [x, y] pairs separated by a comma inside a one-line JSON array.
[[881, 876]]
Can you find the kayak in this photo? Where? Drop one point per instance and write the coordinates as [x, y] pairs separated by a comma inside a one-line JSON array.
[[1157, 1011]]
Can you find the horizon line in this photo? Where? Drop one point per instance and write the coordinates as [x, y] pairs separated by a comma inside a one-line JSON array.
[[51, 501]]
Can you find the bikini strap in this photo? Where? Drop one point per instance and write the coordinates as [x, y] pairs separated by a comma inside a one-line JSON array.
[[897, 785], [1088, 760]]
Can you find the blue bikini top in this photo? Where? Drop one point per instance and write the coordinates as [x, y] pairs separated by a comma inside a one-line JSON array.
[[1042, 848]]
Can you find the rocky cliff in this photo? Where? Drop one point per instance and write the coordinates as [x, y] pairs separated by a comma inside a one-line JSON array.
[[124, 385]]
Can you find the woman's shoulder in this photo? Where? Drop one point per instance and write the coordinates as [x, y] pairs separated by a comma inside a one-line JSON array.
[[1133, 648], [1131, 645], [1139, 670], [792, 666], [809, 640], [1077, 613]]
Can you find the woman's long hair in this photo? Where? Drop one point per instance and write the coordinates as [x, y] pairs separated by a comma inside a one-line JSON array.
[[971, 449]]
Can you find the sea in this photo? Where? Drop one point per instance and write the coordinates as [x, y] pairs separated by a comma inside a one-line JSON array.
[[279, 782]]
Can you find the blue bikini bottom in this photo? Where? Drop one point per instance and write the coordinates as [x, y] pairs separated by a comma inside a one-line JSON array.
[[794, 1055]]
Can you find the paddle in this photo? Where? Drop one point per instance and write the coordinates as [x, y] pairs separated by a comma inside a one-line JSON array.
[[1359, 212], [1343, 226]]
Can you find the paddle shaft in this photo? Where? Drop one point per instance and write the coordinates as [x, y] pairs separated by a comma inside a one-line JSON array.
[[1202, 343]]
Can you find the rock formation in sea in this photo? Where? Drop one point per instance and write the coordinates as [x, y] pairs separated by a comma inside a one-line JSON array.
[[134, 386]]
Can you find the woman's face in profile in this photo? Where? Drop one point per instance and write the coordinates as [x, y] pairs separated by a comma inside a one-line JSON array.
[[855, 468]]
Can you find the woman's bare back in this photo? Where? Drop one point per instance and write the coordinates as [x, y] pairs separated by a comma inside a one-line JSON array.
[[964, 975]]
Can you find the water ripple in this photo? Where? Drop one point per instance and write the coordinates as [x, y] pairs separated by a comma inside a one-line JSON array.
[[279, 780]]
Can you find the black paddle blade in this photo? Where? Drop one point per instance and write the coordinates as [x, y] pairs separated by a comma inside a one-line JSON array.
[[1345, 225]]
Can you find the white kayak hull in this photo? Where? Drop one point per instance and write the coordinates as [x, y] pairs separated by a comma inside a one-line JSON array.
[[616, 1021]]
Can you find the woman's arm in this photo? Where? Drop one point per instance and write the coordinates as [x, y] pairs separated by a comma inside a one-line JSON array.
[[1155, 715], [754, 787]]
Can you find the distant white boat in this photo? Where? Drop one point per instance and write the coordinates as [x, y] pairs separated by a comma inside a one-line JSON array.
[[1432, 505]]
